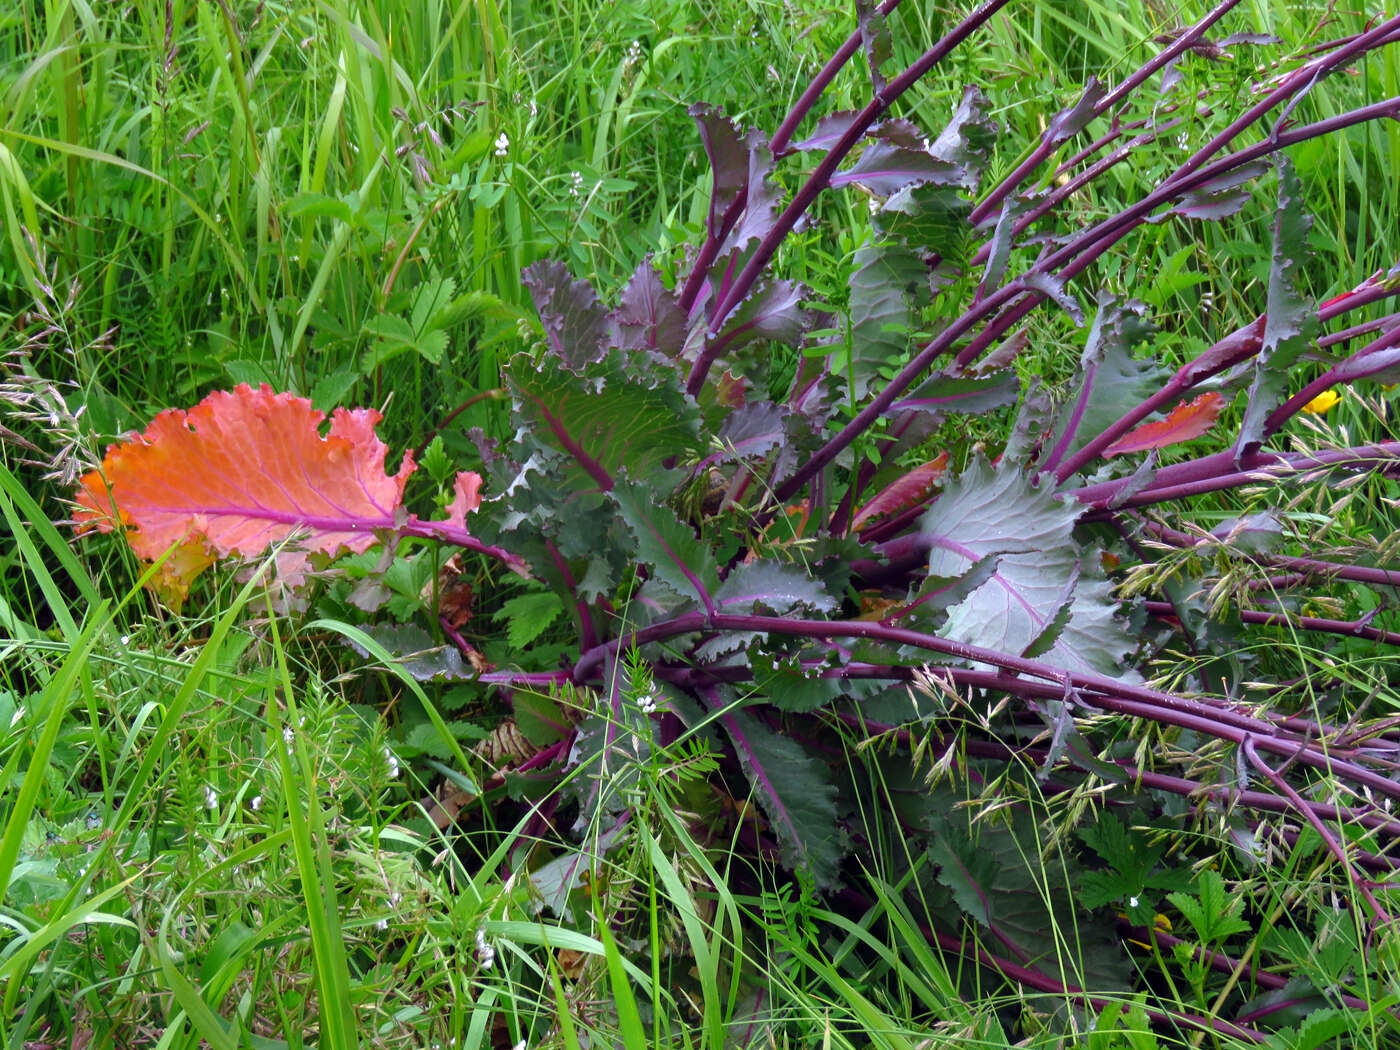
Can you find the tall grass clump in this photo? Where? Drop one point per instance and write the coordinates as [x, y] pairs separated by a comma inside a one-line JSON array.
[[940, 592]]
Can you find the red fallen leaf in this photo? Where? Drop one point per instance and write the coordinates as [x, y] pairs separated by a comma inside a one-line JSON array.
[[244, 471], [1187, 420], [904, 492], [729, 390]]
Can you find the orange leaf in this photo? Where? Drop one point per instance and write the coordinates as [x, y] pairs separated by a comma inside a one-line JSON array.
[[467, 498], [905, 492], [244, 471], [1187, 420]]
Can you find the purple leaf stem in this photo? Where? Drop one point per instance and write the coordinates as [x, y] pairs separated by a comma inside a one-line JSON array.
[[1231, 350], [1076, 256], [1077, 182], [1364, 328], [1083, 250], [1223, 963], [1305, 623], [1086, 389], [1314, 566], [1226, 796], [524, 678], [547, 755], [1278, 583], [709, 250], [587, 636], [1358, 879], [1095, 690], [1069, 260], [1043, 982], [992, 202], [460, 537], [1218, 471], [1348, 370], [819, 178], [454, 636], [693, 677], [778, 143], [1064, 264], [866, 417], [1296, 82]]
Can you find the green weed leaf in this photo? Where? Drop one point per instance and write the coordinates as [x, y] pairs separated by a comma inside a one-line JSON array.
[[527, 616]]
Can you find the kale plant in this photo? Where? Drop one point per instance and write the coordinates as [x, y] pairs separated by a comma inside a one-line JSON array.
[[796, 515]]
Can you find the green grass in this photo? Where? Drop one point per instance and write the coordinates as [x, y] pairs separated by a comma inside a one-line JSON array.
[[215, 827]]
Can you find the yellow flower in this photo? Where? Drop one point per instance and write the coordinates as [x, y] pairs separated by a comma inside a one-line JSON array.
[[1324, 402]]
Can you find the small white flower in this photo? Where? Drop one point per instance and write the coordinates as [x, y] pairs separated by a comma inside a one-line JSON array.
[[1132, 902], [256, 803], [287, 737], [381, 924], [211, 798], [391, 764], [485, 954], [126, 639], [534, 109], [502, 144], [647, 702], [575, 184]]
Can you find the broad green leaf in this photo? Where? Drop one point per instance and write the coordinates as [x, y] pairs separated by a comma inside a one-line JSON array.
[[991, 865], [781, 681], [609, 418], [417, 653], [988, 512], [670, 549], [778, 589], [1111, 381], [1290, 320], [575, 325], [931, 218], [729, 160], [796, 793], [649, 316], [889, 281], [968, 872]]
